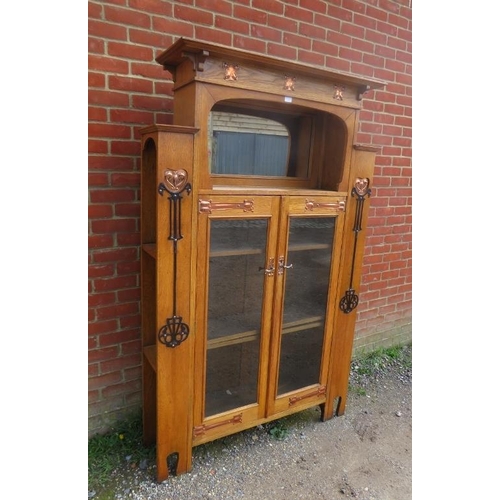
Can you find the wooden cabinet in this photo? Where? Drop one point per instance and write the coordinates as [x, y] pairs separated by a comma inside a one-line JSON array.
[[253, 206]]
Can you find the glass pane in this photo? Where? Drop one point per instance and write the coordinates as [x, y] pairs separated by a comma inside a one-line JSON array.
[[248, 144], [236, 281], [245, 153], [306, 291]]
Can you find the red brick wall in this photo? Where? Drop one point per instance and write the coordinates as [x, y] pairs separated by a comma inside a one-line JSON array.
[[128, 90]]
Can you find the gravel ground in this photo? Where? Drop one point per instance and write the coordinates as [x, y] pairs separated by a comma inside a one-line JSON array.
[[364, 454]]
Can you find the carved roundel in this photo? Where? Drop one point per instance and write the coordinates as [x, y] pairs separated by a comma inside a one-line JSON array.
[[175, 180]]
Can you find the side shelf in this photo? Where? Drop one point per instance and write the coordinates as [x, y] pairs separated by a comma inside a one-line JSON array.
[[150, 249], [150, 354]]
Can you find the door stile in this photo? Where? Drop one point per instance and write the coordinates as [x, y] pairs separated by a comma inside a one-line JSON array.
[[333, 313], [277, 307], [268, 306], [333, 297], [201, 319]]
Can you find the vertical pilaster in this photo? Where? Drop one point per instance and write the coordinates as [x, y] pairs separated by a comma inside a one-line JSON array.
[[174, 338], [357, 206]]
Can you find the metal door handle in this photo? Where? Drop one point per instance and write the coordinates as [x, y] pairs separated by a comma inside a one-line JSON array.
[[270, 269], [282, 265]]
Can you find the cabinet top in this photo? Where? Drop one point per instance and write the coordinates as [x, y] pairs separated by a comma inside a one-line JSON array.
[[198, 52]]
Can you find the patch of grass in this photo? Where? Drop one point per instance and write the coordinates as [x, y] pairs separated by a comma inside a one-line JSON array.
[[116, 448], [277, 430], [360, 391], [368, 364]]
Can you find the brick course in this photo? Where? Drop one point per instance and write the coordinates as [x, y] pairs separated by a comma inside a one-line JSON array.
[[128, 90]]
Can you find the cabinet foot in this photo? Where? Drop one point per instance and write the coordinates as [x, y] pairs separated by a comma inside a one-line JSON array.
[[340, 406], [326, 412], [337, 408]]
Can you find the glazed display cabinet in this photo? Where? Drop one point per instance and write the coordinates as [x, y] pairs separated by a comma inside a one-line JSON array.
[[253, 205]]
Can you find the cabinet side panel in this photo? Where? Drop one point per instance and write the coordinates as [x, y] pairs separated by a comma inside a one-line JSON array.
[[166, 287], [174, 364], [349, 280]]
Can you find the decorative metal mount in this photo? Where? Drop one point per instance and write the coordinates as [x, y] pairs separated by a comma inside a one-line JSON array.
[[349, 301], [206, 206], [230, 71], [337, 205], [289, 83], [361, 189], [318, 392], [175, 331], [339, 92], [201, 429]]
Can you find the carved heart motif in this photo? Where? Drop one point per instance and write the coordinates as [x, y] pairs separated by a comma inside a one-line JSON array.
[[175, 180]]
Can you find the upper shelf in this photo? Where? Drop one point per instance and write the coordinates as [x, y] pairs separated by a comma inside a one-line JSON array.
[[295, 76]]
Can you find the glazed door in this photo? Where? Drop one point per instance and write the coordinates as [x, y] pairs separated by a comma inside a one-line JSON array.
[[266, 280], [234, 323], [304, 301]]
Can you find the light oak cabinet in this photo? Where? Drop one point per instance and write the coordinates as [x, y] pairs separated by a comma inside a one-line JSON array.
[[253, 208]]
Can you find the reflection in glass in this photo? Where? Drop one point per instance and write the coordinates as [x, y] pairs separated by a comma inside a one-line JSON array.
[[306, 292], [242, 144], [237, 254]]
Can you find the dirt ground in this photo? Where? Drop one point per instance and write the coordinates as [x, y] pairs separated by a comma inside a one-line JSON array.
[[365, 454]]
